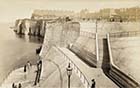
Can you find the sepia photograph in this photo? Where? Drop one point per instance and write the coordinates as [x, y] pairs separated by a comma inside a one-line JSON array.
[[70, 44]]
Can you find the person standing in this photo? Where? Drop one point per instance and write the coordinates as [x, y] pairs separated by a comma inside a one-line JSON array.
[[36, 75], [25, 72], [93, 83], [29, 65], [13, 85], [38, 71], [19, 85], [25, 69]]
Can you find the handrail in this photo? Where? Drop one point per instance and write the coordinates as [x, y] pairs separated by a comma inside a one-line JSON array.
[[81, 73], [124, 34], [97, 48]]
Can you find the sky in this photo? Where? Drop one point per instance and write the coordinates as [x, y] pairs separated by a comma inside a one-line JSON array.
[[14, 9]]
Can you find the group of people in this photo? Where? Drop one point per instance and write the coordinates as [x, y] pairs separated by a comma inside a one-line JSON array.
[[93, 83], [15, 86], [27, 68], [38, 71]]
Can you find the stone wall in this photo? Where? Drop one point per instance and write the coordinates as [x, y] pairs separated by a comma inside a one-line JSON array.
[[60, 34], [85, 48]]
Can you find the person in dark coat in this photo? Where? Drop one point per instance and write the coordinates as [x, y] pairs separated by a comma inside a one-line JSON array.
[[39, 69], [19, 85], [13, 85], [93, 83], [38, 72], [25, 69], [25, 72], [38, 50]]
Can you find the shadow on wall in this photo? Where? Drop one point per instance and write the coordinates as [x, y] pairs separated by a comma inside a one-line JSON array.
[[85, 56], [106, 61]]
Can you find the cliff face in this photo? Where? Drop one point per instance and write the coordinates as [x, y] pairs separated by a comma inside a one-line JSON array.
[[37, 28], [20, 26], [30, 27]]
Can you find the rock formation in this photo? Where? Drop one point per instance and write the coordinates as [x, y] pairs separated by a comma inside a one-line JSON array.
[[30, 27]]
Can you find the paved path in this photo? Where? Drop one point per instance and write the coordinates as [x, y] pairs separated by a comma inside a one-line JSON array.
[[53, 74]]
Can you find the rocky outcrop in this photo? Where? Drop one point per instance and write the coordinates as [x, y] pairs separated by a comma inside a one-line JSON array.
[[20, 26], [30, 27], [37, 28]]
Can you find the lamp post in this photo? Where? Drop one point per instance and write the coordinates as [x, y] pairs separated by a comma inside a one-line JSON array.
[[97, 24], [69, 73]]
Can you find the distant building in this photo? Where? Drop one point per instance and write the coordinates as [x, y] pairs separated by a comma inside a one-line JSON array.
[[51, 14], [122, 14]]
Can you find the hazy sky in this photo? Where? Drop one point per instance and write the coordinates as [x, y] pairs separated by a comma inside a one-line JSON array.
[[13, 9]]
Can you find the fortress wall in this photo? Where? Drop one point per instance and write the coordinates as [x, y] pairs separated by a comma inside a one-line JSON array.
[[58, 34]]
